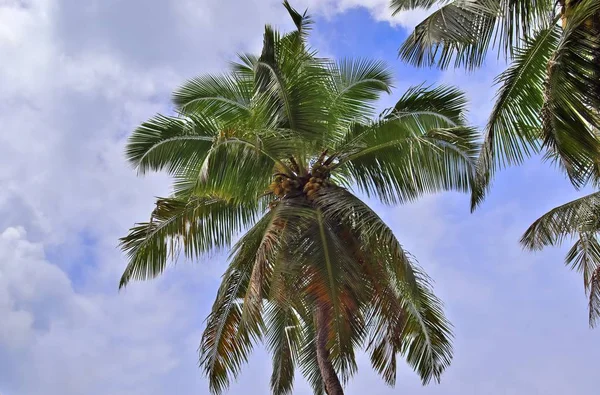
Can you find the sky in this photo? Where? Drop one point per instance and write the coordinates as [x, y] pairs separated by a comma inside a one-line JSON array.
[[78, 76]]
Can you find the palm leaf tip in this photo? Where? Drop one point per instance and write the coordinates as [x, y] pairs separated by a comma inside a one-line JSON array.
[[594, 298], [302, 21], [577, 219], [404, 5]]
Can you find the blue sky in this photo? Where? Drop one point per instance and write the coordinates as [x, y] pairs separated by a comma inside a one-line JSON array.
[[76, 79]]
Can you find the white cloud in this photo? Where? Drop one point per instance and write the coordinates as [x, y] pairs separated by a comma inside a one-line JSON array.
[[77, 76], [90, 343], [479, 86], [378, 9]]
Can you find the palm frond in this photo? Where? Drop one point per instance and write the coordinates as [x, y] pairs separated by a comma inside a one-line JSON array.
[[273, 239], [403, 158], [239, 168], [196, 226], [340, 206], [517, 20], [594, 297], [170, 143], [224, 97], [302, 21], [569, 115], [406, 317], [584, 256], [567, 220], [283, 336], [355, 86], [579, 219], [309, 365], [386, 321], [427, 344], [445, 102], [513, 130], [226, 343], [331, 280], [245, 66], [295, 78], [457, 33], [225, 346], [408, 314], [405, 5], [463, 31], [233, 326]]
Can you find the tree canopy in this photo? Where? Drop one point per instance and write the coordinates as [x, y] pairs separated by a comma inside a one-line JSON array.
[[266, 161]]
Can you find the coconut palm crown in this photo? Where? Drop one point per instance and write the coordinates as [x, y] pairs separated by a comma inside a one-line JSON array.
[[549, 97], [270, 153]]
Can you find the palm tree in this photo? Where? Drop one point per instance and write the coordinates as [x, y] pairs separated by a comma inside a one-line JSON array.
[[549, 97], [273, 150], [579, 219]]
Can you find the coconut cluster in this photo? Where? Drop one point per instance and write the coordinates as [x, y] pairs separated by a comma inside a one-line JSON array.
[[309, 185], [225, 134], [284, 185], [319, 177]]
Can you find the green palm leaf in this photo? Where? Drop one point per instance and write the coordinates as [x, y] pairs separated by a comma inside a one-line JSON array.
[[570, 113], [195, 226], [513, 130], [563, 221], [463, 31], [309, 365], [226, 341], [356, 84], [170, 143], [400, 162], [579, 219], [283, 337], [419, 119], [238, 168], [224, 97], [302, 21], [445, 102], [458, 32], [584, 257], [594, 297], [295, 79]]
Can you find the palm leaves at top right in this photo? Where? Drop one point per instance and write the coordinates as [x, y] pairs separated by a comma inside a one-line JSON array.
[[579, 219], [549, 97]]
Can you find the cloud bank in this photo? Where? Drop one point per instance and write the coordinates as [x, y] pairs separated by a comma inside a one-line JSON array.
[[77, 76]]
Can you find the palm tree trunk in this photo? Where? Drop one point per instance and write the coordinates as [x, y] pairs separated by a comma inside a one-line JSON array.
[[330, 378]]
